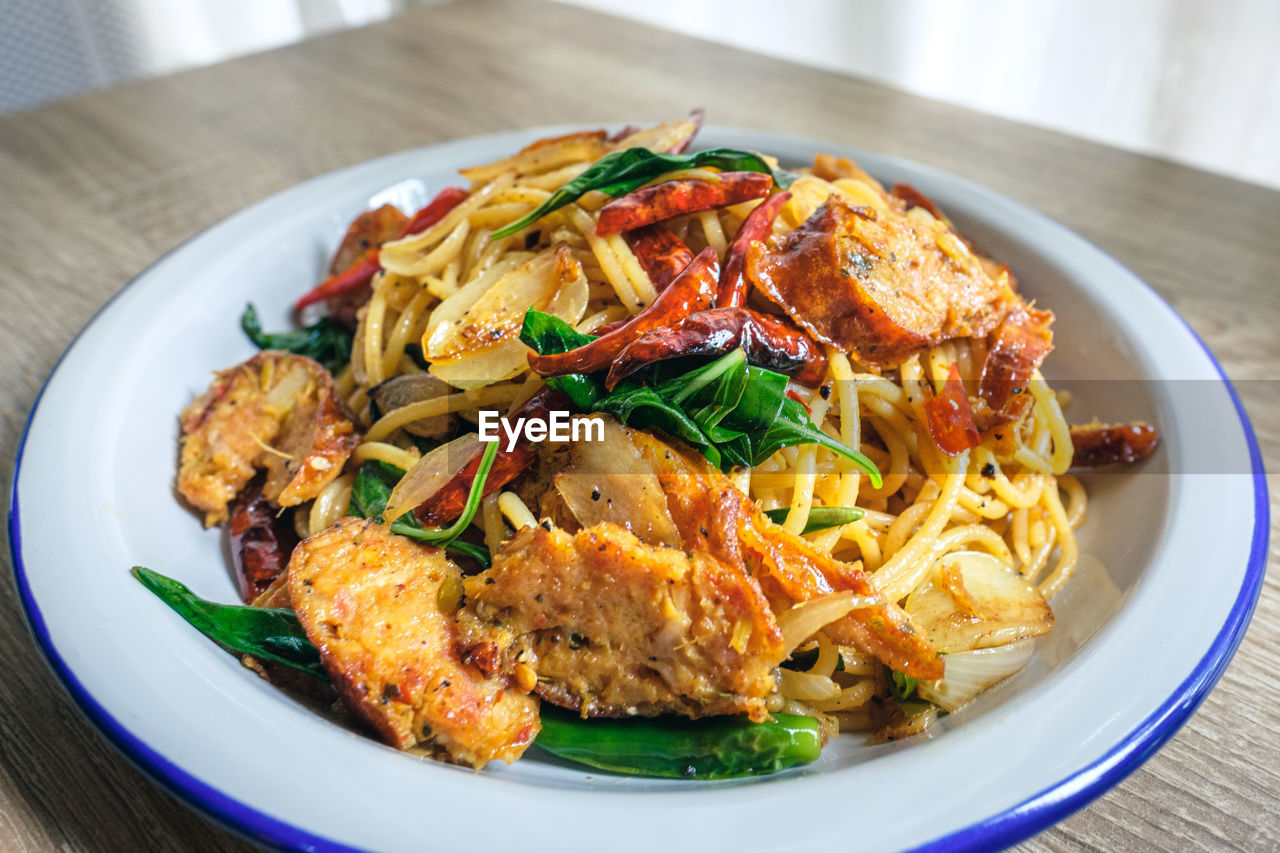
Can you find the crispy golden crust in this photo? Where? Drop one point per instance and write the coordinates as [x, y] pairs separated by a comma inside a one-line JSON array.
[[276, 412], [880, 285], [613, 627], [371, 602], [716, 517]]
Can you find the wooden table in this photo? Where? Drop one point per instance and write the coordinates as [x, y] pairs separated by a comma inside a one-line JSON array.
[[96, 188]]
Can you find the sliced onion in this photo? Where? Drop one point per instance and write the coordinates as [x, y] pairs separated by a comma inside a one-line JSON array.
[[543, 155], [969, 673], [662, 137], [802, 621], [610, 480], [996, 605], [440, 332], [807, 687], [485, 367], [473, 336], [430, 474]]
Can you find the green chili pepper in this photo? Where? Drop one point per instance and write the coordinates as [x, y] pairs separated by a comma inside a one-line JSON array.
[[715, 748], [820, 517]]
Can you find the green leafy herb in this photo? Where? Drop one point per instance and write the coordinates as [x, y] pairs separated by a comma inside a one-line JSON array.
[[324, 340], [901, 685], [714, 748], [733, 412], [620, 172], [269, 634], [549, 335], [372, 489], [803, 660], [477, 553], [820, 517]]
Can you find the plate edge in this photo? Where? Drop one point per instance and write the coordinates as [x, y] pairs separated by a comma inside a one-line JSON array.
[[1000, 830]]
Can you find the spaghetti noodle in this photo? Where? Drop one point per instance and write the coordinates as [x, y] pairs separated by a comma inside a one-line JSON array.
[[919, 505], [1003, 500]]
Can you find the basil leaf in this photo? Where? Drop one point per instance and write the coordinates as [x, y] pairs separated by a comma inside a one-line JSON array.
[[620, 172], [733, 412], [478, 553], [710, 748], [794, 427], [643, 407], [269, 634], [372, 489], [901, 685], [324, 340], [547, 334], [820, 517]]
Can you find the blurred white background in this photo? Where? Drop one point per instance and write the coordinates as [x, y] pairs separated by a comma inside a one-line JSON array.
[[1194, 80]]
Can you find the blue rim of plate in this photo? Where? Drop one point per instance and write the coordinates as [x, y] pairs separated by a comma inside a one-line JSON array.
[[1014, 824]]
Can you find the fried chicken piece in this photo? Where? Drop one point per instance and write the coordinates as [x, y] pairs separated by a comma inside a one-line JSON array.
[[276, 412], [380, 609], [880, 285], [714, 516], [613, 627]]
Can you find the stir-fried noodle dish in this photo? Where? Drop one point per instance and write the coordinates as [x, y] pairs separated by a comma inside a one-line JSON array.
[[668, 461]]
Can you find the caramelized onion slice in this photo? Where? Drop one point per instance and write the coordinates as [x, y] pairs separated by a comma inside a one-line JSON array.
[[609, 480], [430, 474], [975, 601]]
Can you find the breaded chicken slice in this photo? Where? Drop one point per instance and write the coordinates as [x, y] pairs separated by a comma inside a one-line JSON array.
[[276, 412], [714, 516], [612, 627], [380, 609]]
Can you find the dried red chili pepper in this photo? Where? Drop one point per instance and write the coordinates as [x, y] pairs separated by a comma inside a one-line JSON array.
[[669, 199], [768, 342], [260, 542], [365, 267], [447, 503], [693, 290], [757, 226], [1104, 444], [794, 396], [950, 418], [355, 276], [446, 200], [662, 254]]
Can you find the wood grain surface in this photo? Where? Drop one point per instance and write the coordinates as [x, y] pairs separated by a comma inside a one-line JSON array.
[[96, 188]]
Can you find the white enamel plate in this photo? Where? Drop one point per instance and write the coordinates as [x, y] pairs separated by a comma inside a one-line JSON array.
[[1143, 632]]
